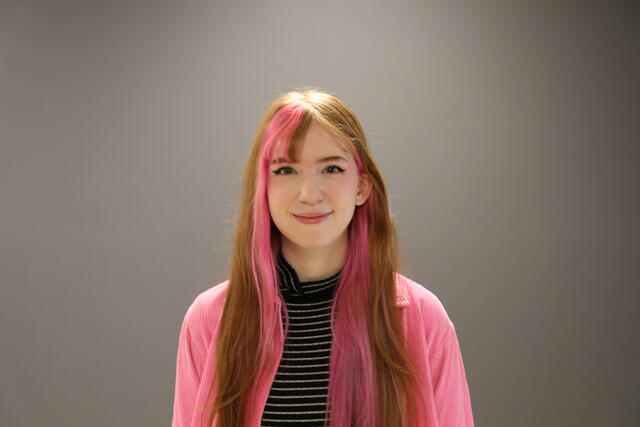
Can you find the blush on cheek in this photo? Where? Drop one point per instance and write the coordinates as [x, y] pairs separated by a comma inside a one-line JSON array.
[[343, 184]]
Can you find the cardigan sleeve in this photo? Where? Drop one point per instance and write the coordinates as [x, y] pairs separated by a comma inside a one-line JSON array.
[[192, 352], [451, 391]]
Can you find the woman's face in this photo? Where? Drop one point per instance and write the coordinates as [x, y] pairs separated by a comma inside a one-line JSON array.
[[312, 186]]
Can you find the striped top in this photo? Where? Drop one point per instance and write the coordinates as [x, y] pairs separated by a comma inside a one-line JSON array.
[[298, 395]]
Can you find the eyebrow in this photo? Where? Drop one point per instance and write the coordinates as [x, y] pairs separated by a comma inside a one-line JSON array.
[[324, 159]]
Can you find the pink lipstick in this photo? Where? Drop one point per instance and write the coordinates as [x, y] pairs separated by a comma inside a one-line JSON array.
[[313, 218]]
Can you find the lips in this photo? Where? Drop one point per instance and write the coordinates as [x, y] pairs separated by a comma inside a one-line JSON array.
[[313, 214], [317, 218]]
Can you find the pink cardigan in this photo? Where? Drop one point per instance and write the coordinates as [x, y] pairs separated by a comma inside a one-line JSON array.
[[431, 335]]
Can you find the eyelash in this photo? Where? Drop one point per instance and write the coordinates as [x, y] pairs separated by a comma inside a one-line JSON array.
[[279, 170]]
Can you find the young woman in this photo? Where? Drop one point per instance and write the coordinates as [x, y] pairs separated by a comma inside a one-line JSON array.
[[315, 323]]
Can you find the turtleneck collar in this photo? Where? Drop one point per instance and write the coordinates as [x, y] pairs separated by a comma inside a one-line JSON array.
[[290, 285]]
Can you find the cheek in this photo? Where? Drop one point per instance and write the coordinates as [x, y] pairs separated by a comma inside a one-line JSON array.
[[276, 192], [342, 189], [278, 198]]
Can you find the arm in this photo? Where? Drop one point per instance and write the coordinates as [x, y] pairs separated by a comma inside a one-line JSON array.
[[451, 391]]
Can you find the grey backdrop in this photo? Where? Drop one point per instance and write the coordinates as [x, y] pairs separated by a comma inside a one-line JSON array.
[[507, 132]]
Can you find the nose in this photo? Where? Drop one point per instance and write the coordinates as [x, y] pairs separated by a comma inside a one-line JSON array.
[[310, 191]]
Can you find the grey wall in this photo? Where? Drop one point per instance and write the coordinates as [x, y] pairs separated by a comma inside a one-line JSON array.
[[507, 132]]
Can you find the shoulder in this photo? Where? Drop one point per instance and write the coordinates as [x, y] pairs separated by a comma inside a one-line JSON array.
[[424, 306], [204, 312]]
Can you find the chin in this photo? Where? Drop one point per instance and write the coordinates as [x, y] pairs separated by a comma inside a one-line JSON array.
[[310, 243]]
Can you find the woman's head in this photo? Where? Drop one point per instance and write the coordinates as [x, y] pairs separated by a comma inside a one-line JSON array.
[[310, 156], [322, 177]]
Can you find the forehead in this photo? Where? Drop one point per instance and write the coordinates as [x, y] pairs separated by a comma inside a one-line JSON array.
[[317, 145]]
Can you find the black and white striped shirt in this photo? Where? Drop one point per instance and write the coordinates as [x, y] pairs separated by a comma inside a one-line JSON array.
[[298, 395]]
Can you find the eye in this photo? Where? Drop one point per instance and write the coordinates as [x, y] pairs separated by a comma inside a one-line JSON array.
[[339, 169], [279, 170]]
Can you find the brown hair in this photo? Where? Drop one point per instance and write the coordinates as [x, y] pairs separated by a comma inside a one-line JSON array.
[[380, 367]]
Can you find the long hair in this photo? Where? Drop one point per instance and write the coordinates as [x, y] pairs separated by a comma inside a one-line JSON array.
[[372, 376]]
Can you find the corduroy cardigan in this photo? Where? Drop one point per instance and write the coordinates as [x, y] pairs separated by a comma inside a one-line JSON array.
[[430, 334]]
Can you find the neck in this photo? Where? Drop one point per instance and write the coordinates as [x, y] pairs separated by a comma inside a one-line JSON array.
[[316, 263]]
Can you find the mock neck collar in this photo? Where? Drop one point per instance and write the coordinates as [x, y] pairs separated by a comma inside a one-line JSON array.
[[292, 286]]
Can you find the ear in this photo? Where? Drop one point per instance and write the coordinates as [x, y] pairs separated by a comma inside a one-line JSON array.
[[364, 189]]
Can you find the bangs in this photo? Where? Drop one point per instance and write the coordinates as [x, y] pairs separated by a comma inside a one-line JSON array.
[[288, 128]]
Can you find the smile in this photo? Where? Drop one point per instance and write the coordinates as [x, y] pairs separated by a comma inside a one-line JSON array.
[[314, 220]]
